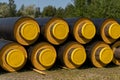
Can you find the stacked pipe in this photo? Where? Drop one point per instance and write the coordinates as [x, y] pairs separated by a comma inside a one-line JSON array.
[[98, 50], [13, 56], [101, 53], [24, 30], [73, 54], [18, 32], [115, 47], [44, 40]]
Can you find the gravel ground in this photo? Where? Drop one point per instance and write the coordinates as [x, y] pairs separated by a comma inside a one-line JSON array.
[[91, 73]]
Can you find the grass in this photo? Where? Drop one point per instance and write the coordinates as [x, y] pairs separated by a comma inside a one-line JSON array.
[[84, 73]]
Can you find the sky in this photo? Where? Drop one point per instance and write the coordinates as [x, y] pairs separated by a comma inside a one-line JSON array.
[[41, 3]]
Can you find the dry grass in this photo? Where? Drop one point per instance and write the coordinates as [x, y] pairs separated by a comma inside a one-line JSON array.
[[86, 73]]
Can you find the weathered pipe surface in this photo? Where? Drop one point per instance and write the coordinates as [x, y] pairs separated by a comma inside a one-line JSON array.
[[118, 20], [24, 30], [82, 29], [42, 55], [13, 56], [55, 30], [99, 53], [116, 51], [72, 55], [107, 29]]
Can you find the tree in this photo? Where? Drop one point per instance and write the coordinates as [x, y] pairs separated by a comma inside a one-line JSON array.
[[27, 11], [49, 11], [112, 9], [103, 9], [70, 11], [4, 10], [77, 9], [12, 8], [80, 7], [95, 9], [21, 11], [60, 12], [37, 12]]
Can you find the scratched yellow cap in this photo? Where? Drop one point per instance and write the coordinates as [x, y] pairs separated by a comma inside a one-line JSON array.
[[114, 31], [47, 57], [88, 30], [105, 55], [78, 56], [60, 30], [29, 30], [15, 58]]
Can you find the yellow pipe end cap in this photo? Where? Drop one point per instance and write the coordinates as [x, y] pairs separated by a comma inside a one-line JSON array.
[[47, 57], [88, 30], [106, 55], [60, 30], [15, 58], [29, 31], [78, 56], [114, 31]]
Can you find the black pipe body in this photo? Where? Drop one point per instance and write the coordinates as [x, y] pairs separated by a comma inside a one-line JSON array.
[[118, 20], [4, 42], [48, 29], [71, 23], [7, 27], [98, 23], [42, 22]]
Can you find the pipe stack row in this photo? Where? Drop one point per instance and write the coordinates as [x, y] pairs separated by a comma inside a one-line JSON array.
[[71, 41]]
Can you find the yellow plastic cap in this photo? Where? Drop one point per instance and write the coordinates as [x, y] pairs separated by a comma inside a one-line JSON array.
[[47, 57], [29, 31], [88, 30], [114, 31], [78, 56], [60, 30], [106, 55], [15, 58]]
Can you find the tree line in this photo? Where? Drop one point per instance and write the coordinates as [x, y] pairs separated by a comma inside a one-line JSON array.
[[78, 8]]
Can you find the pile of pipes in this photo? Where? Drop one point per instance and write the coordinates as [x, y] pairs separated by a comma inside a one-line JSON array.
[[71, 41]]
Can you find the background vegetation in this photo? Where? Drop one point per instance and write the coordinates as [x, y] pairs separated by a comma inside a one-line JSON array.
[[78, 8]]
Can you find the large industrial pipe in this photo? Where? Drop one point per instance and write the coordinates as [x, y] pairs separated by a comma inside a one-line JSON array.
[[116, 50], [42, 55], [83, 29], [109, 29], [12, 55], [72, 55], [99, 53], [24, 30], [55, 30]]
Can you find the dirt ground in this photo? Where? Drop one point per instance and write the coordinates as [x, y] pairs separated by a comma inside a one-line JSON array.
[[84, 73]]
